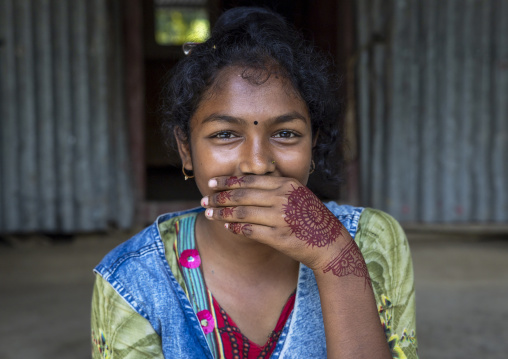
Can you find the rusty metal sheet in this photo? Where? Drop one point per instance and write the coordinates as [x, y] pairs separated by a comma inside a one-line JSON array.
[[433, 107], [64, 162]]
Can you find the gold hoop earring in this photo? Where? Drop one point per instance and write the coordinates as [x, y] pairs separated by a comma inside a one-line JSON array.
[[312, 167], [185, 174]]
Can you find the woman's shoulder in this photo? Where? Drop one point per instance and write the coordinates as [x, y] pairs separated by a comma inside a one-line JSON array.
[[385, 249], [370, 227], [348, 215], [132, 247], [152, 238], [137, 267], [378, 228]]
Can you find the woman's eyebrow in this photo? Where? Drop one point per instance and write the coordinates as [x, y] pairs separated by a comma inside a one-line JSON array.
[[223, 118], [288, 117]]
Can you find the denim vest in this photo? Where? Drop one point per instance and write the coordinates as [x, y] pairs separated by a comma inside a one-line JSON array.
[[139, 272]]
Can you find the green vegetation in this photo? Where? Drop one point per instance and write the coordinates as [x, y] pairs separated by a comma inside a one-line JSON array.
[[175, 26]]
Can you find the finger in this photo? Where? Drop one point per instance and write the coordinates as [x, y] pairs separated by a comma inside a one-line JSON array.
[[246, 214], [278, 238], [260, 233], [238, 197], [244, 229], [250, 181]]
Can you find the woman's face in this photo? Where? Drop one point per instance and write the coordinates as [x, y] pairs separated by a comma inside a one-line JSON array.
[[240, 128]]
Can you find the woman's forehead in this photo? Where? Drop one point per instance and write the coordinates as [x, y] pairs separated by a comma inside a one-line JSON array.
[[254, 76], [236, 94]]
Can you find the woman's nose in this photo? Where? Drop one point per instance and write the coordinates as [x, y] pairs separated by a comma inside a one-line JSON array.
[[256, 158]]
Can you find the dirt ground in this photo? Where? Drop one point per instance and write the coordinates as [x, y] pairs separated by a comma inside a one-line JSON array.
[[45, 290]]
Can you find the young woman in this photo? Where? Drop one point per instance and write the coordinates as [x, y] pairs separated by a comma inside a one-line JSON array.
[[264, 268]]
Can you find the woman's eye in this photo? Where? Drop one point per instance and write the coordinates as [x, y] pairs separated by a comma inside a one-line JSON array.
[[224, 135], [285, 134]]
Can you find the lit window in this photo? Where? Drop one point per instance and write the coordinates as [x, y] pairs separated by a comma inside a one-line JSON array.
[[179, 21]]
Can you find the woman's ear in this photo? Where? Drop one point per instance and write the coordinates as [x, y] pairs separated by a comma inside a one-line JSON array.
[[183, 144]]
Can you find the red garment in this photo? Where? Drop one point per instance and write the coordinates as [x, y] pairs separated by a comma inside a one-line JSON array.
[[238, 346]]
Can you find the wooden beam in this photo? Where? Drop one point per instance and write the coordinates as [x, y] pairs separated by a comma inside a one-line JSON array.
[[134, 75]]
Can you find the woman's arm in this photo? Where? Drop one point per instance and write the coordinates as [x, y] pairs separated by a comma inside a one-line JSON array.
[[119, 332], [352, 325], [386, 251]]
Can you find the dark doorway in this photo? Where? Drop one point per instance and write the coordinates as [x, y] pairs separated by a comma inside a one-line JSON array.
[[164, 177]]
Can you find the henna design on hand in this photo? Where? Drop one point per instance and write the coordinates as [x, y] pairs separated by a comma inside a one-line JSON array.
[[349, 261], [226, 212], [222, 197], [244, 228], [235, 180], [309, 219]]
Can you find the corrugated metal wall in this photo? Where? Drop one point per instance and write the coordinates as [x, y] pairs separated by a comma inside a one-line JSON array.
[[433, 108], [64, 163]]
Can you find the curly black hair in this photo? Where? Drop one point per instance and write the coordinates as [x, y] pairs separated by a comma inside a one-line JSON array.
[[259, 39]]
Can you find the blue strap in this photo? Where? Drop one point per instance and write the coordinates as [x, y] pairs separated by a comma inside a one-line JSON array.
[[193, 277]]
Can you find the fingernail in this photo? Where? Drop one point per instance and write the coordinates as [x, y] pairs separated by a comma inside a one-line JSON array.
[[212, 183], [209, 213], [204, 201]]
